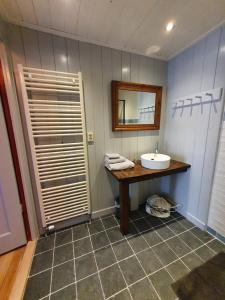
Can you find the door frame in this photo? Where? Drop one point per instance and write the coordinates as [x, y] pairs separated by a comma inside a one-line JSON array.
[[12, 142]]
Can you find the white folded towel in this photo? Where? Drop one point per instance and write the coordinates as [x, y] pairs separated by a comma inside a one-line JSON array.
[[127, 164], [114, 160], [112, 155]]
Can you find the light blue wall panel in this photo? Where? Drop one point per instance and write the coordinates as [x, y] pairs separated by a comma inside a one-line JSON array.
[[191, 135]]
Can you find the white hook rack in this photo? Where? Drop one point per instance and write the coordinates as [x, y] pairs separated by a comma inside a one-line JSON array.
[[199, 99]]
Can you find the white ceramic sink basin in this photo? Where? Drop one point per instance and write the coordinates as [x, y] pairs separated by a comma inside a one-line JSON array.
[[155, 161]]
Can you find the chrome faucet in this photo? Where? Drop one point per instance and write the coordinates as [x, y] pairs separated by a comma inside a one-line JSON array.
[[157, 148]]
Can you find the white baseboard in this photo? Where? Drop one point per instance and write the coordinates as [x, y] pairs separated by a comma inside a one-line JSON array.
[[196, 221], [102, 212]]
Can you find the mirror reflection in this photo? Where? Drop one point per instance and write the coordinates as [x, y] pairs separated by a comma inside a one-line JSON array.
[[136, 107]]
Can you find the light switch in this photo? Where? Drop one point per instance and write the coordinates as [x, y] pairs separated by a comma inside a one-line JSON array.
[[90, 136]]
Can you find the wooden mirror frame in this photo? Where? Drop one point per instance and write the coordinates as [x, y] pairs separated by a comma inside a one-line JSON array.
[[116, 85]]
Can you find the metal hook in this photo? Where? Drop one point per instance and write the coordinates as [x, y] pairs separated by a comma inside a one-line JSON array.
[[200, 97], [191, 102]]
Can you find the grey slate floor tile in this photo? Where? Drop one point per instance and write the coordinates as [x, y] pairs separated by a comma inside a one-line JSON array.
[[216, 246], [82, 246], [205, 253], [80, 231], [105, 257], [114, 234], [149, 261], [99, 240], [45, 243], [63, 253], [143, 290], [202, 235], [143, 251], [164, 253], [109, 222], [122, 249], [142, 225], [137, 243], [178, 246], [68, 293], [176, 227], [112, 280], [164, 232], [191, 240], [38, 286], [162, 282], [63, 237], [41, 262], [152, 237], [90, 288], [177, 269], [191, 260], [95, 226], [124, 295], [63, 275], [85, 266], [132, 270]]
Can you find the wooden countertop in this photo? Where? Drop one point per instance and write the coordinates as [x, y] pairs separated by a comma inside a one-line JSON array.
[[139, 173]]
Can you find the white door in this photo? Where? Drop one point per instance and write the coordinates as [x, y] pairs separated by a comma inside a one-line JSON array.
[[12, 232]]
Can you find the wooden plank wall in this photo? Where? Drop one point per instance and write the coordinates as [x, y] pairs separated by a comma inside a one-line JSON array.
[[217, 206], [193, 136], [99, 65]]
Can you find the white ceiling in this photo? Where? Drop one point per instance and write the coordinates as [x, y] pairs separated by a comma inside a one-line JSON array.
[[130, 25]]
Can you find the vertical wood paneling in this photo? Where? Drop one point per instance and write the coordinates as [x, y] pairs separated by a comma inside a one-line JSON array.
[[15, 42], [73, 56], [60, 54], [192, 135], [31, 47], [46, 51], [99, 65], [85, 65]]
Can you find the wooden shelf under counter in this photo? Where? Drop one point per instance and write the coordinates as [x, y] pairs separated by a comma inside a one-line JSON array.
[[136, 174]]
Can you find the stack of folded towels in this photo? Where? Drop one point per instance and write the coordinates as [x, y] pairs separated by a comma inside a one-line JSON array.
[[114, 161]]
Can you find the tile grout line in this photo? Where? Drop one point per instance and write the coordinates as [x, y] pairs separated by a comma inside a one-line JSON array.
[[135, 254], [165, 241], [142, 266], [101, 231], [138, 233], [117, 260], [177, 235], [74, 265], [99, 278], [95, 273], [53, 257]]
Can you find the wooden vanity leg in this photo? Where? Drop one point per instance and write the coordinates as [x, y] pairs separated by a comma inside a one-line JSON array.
[[124, 207]]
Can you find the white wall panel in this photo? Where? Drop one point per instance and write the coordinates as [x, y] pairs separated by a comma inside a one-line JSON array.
[[217, 206], [99, 65]]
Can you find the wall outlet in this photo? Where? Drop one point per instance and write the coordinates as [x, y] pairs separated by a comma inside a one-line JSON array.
[[90, 137]]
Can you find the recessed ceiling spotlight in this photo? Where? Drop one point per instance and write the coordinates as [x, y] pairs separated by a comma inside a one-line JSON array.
[[170, 26], [152, 49]]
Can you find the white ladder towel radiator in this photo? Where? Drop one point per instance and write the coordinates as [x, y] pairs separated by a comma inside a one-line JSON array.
[[55, 119]]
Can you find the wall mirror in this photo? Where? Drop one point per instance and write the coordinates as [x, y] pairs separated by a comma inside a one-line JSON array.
[[135, 106]]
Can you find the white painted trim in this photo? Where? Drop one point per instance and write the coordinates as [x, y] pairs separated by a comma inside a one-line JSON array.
[[102, 212], [19, 135], [195, 220]]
